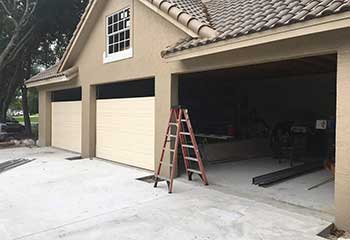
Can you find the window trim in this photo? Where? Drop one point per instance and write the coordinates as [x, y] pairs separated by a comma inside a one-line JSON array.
[[120, 55]]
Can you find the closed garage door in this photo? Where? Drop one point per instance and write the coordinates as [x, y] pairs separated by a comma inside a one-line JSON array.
[[125, 125], [66, 123]]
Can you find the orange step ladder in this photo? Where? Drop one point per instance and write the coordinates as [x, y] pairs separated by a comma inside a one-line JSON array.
[[180, 132]]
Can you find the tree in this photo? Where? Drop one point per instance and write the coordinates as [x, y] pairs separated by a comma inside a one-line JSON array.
[[33, 101], [32, 33], [19, 14]]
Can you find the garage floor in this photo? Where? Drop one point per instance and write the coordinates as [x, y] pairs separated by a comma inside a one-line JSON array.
[[53, 198], [236, 177]]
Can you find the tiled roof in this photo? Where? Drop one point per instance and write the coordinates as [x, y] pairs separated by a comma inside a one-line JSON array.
[[234, 18], [195, 8], [46, 74]]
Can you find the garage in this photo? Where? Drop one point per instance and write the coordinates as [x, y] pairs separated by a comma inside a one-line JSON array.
[[125, 123], [268, 129], [66, 119]]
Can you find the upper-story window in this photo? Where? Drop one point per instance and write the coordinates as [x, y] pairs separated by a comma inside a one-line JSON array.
[[118, 36]]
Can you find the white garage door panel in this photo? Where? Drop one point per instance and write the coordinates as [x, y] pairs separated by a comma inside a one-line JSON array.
[[66, 125], [125, 131]]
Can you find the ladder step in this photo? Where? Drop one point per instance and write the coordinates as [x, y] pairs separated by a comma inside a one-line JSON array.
[[171, 150], [192, 159], [173, 124], [194, 171], [187, 146], [185, 133], [173, 136], [163, 178], [183, 120], [167, 164]]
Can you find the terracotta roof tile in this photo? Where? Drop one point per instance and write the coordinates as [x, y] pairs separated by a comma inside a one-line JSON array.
[[234, 18], [194, 8], [46, 74]]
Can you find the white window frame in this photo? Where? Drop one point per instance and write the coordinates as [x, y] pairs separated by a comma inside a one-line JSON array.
[[120, 55]]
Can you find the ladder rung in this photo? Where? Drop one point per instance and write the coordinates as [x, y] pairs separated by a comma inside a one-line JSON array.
[[185, 133], [183, 120], [194, 171], [163, 178], [187, 146], [171, 150], [173, 124], [173, 136], [167, 164], [192, 159]]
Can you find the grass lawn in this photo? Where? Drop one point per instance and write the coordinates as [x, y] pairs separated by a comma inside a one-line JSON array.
[[33, 118]]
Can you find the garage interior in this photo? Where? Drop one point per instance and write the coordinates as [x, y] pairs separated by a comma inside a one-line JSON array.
[[268, 130]]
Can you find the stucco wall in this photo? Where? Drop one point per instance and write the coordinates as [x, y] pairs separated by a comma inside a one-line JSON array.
[[150, 34], [342, 178]]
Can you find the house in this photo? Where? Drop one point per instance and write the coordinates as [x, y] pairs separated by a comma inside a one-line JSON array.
[[129, 61]]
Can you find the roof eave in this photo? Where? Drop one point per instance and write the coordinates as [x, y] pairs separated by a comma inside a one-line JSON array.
[[332, 22], [48, 81], [77, 33], [66, 76]]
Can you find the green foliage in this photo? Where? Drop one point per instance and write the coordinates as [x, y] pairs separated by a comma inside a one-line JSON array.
[[52, 23], [56, 22], [16, 103]]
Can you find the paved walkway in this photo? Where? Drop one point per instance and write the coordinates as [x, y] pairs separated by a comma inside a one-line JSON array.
[[53, 198]]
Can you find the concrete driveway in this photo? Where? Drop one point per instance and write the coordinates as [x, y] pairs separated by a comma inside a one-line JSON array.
[[53, 198]]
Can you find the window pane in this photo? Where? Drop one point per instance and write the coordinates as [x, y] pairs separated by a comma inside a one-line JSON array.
[[121, 25], [116, 48], [110, 40], [116, 38], [127, 34], [110, 30], [118, 28]]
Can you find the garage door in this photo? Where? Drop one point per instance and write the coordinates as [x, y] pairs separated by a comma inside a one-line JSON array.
[[66, 125], [125, 131]]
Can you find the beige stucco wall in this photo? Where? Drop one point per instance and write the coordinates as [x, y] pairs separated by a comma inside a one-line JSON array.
[[151, 34], [44, 118], [342, 178]]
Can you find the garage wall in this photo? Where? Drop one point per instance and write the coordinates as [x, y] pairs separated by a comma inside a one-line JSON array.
[[125, 131], [66, 125]]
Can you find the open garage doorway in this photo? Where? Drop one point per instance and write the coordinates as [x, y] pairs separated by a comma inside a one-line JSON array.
[[268, 129]]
